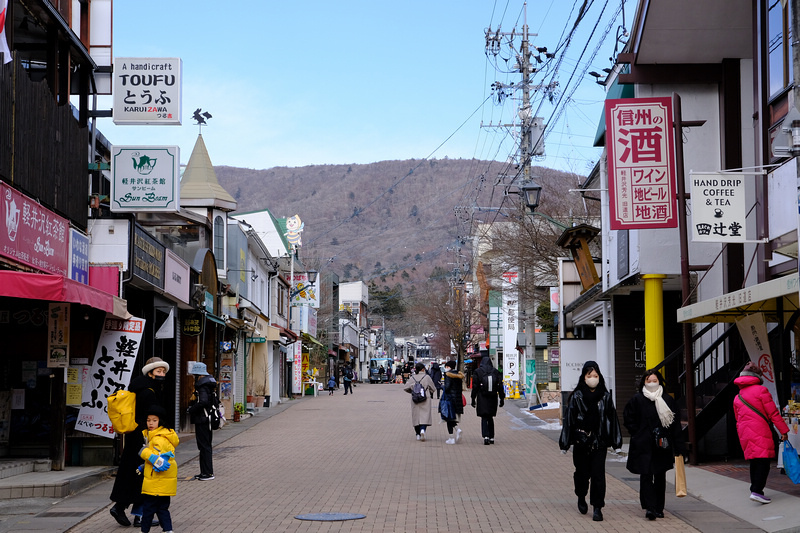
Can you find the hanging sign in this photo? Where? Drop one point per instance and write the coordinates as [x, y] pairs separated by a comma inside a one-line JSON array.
[[753, 330], [58, 335], [718, 207], [145, 178], [147, 90], [641, 163]]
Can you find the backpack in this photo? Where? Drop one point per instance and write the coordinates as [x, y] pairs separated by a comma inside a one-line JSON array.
[[216, 418], [348, 373], [418, 392], [488, 383], [122, 411]]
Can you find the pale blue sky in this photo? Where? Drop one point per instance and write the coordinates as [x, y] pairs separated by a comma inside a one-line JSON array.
[[322, 82]]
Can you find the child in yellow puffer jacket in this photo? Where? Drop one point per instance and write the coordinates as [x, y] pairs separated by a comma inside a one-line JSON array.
[[160, 470]]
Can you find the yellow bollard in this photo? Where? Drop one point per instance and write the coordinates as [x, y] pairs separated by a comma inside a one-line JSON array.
[[653, 319]]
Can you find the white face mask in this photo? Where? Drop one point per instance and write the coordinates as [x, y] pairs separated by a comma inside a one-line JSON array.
[[652, 387], [592, 382]]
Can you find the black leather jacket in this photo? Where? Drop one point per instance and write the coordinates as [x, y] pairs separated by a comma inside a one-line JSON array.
[[607, 432]]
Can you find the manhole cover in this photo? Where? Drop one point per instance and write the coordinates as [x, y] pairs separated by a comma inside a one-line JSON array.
[[330, 517]]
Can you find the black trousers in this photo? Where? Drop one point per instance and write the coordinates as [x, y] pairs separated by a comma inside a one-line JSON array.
[[203, 437], [155, 505], [487, 427], [451, 425], [652, 491], [348, 385], [759, 472], [419, 428], [590, 468]]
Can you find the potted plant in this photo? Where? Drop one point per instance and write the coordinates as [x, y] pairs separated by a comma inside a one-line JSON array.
[[238, 410]]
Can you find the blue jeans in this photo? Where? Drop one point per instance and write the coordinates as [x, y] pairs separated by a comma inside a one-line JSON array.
[[155, 505]]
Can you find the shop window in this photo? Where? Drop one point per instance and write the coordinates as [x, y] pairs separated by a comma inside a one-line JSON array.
[[779, 61]]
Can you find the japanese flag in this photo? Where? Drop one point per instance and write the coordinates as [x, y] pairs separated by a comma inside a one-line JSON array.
[[3, 43]]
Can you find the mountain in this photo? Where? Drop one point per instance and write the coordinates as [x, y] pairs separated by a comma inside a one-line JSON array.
[[389, 222]]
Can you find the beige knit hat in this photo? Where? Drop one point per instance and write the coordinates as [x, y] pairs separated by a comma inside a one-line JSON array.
[[153, 363]]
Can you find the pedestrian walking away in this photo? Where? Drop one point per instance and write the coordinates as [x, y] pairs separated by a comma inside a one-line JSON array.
[[347, 379], [436, 376], [487, 387], [451, 406], [421, 416], [590, 425], [755, 412], [160, 471], [331, 385], [127, 484], [205, 396], [651, 417]]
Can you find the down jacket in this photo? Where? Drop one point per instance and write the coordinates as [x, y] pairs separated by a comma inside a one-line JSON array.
[[755, 434], [160, 440]]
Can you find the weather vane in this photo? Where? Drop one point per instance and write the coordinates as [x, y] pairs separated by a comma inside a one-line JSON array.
[[201, 116]]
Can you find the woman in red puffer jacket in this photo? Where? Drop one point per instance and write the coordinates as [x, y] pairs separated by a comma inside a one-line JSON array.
[[753, 406]]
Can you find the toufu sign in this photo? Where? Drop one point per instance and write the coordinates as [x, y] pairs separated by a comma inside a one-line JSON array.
[[147, 90], [641, 163]]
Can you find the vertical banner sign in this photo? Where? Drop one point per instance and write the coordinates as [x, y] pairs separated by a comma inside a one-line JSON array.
[[753, 330], [718, 207], [511, 371], [78, 256], [58, 335], [641, 163], [111, 370], [297, 367]]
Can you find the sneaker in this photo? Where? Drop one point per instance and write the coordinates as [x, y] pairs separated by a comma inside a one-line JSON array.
[[486, 441], [422, 435], [458, 434], [418, 437], [450, 441], [491, 441], [760, 498], [205, 477]]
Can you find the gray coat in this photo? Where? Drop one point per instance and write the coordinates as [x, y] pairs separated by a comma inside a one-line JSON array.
[[421, 413]]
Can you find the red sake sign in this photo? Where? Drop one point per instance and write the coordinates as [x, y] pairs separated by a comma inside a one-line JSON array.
[[641, 163], [32, 234]]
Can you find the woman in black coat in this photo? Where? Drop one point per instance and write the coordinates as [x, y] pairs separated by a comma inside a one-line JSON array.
[[591, 425], [128, 484], [436, 376], [651, 419]]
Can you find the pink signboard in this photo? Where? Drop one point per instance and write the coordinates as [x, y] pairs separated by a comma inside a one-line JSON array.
[[32, 234], [641, 163]]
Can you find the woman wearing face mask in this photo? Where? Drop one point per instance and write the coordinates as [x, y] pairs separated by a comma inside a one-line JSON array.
[[128, 484], [591, 425], [652, 420]]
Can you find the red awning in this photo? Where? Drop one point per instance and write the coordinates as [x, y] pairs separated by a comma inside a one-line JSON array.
[[55, 288], [290, 335]]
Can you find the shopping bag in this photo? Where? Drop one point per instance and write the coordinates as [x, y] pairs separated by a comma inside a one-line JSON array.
[[680, 477], [791, 462]]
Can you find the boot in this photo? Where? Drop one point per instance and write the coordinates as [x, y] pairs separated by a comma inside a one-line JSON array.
[[598, 514]]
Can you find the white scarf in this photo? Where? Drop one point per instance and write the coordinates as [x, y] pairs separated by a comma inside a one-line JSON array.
[[665, 414]]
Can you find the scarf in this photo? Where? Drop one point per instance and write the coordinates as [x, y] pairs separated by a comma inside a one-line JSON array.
[[665, 414]]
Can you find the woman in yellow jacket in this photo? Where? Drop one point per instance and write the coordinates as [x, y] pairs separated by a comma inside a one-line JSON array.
[[160, 470]]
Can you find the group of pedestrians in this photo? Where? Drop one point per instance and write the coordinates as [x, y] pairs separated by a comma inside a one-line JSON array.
[[487, 394], [590, 427], [147, 476]]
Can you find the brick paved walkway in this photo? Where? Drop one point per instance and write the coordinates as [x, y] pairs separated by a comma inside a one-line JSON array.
[[358, 454]]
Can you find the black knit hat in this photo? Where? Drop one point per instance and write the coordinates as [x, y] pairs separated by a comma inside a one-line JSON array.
[[157, 410]]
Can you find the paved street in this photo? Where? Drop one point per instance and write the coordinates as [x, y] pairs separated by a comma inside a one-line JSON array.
[[358, 454]]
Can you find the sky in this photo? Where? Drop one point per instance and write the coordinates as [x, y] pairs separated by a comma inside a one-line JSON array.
[[357, 81]]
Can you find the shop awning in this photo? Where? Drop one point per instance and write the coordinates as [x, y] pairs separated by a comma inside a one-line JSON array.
[[288, 334], [761, 298], [216, 319], [312, 340], [54, 288]]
